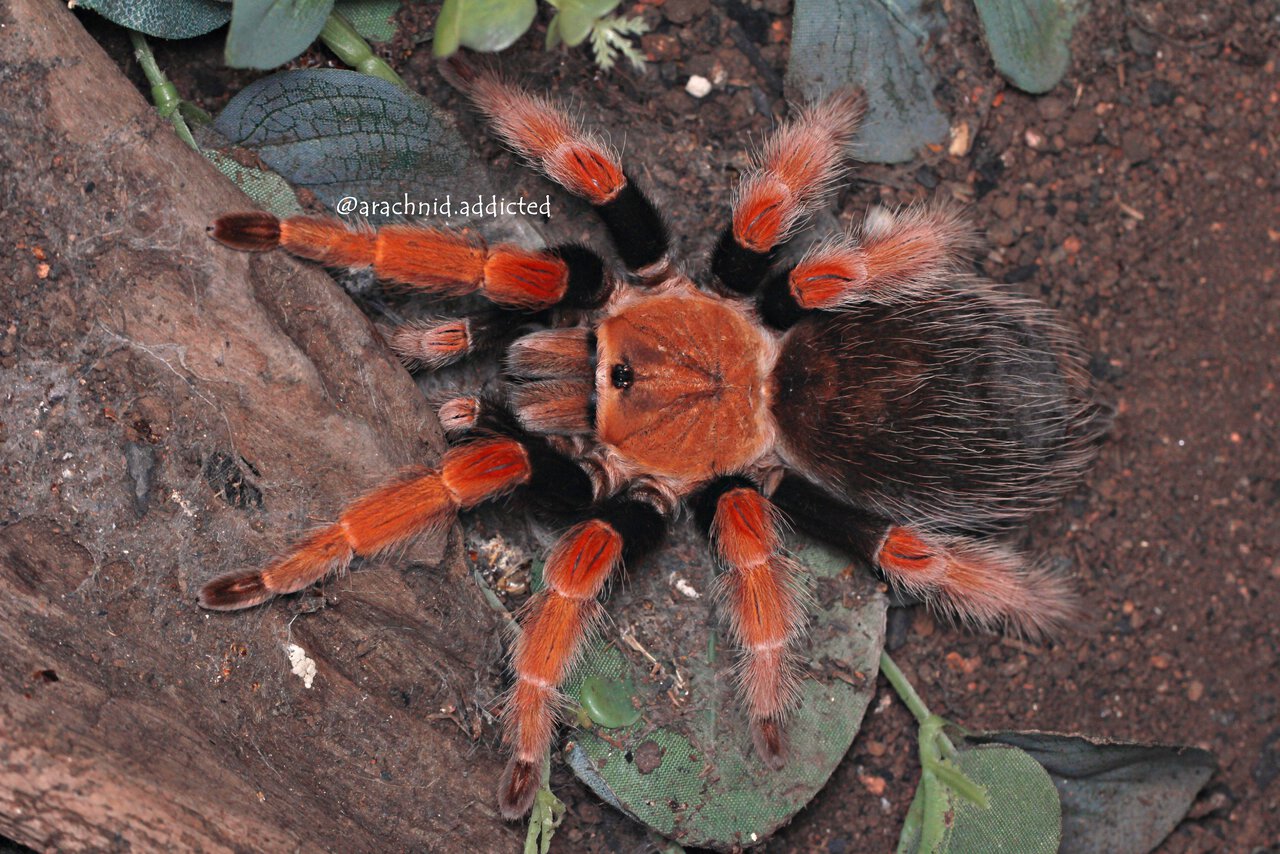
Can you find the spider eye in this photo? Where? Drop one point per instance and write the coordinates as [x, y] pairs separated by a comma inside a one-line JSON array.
[[622, 375]]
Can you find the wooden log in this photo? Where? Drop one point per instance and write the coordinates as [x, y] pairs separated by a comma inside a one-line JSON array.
[[170, 410]]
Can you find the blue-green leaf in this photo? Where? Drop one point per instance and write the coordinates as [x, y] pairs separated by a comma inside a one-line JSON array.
[[875, 45], [373, 19], [166, 19], [1030, 40], [269, 33], [1116, 797], [344, 134]]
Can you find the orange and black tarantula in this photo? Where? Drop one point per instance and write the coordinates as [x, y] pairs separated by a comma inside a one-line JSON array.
[[874, 393]]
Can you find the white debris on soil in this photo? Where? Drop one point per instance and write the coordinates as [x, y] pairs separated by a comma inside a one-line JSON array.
[[303, 667], [684, 587], [698, 86]]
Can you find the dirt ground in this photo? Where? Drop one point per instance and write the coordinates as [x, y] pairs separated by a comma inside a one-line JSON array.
[[1140, 198]]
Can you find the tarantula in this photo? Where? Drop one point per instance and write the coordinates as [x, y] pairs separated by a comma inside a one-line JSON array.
[[873, 392]]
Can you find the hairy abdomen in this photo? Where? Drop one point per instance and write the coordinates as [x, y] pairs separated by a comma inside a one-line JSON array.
[[962, 412]]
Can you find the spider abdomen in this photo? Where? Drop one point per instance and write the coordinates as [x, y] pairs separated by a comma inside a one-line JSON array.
[[964, 411]]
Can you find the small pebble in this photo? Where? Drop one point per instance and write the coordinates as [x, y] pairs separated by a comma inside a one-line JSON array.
[[698, 86]]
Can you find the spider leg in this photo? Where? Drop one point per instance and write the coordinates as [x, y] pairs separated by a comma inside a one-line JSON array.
[[764, 602], [975, 580], [555, 625], [432, 343], [898, 256], [790, 178], [414, 503], [433, 260], [556, 144]]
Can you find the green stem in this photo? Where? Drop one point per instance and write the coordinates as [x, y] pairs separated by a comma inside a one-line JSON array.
[[904, 689], [163, 93], [912, 700], [349, 46]]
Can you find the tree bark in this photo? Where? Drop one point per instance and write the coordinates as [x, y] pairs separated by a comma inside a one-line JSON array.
[[172, 410]]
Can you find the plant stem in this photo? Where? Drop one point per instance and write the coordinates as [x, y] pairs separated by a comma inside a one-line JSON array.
[[903, 688], [349, 46], [163, 93], [912, 700]]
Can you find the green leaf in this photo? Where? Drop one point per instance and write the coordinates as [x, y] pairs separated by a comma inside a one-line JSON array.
[[373, 19], [1030, 40], [448, 35], [268, 33], [1023, 815], [874, 45], [166, 19], [553, 33], [341, 133], [577, 17], [482, 25], [268, 189], [686, 767], [1116, 797]]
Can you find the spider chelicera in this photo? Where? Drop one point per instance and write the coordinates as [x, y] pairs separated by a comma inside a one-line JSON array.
[[874, 392]]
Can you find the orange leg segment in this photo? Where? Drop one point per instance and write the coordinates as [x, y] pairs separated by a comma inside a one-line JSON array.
[[421, 501], [900, 255], [765, 611], [795, 172], [552, 632], [545, 134], [978, 581], [441, 262]]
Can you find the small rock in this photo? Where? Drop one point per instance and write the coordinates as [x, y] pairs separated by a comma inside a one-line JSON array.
[[1052, 108], [1136, 145], [961, 140], [1161, 93], [1081, 128], [698, 86], [648, 757], [1160, 661], [684, 11], [1142, 43], [1002, 234], [927, 177], [1195, 691], [1005, 207], [873, 783]]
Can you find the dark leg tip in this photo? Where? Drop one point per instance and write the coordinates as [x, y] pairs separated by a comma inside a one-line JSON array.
[[770, 742], [234, 591], [250, 232], [519, 785]]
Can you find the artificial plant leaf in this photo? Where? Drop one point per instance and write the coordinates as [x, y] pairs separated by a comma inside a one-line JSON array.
[[1029, 40], [875, 46], [1023, 816], [577, 17], [166, 19], [683, 761], [344, 134], [268, 189], [373, 19], [268, 33], [482, 25], [1119, 798]]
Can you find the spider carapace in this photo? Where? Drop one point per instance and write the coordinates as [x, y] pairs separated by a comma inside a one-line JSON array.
[[873, 392]]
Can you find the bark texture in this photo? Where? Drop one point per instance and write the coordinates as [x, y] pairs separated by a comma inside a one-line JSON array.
[[170, 410]]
